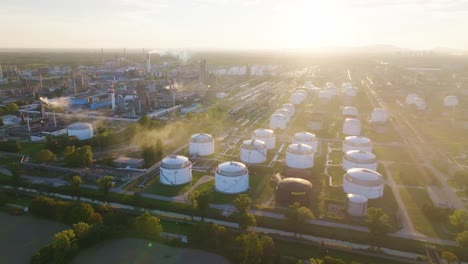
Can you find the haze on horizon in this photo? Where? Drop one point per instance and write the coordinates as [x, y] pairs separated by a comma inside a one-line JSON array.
[[226, 24]]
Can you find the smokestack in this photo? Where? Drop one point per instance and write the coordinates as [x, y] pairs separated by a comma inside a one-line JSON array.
[[55, 119], [148, 63], [1, 72], [102, 55], [40, 81], [112, 95], [42, 110], [202, 77]]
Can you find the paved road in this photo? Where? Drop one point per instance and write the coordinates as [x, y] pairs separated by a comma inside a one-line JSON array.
[[258, 229]]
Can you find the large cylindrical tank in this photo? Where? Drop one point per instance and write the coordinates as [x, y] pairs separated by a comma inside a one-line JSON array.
[[298, 96], [201, 144], [285, 112], [292, 190], [278, 121], [231, 177], [350, 111], [420, 104], [80, 130], [300, 156], [306, 138], [357, 143], [324, 95], [352, 127], [379, 115], [253, 151], [331, 90], [308, 84], [350, 91], [175, 170], [410, 98], [357, 205], [451, 101], [290, 108], [265, 135], [365, 182], [359, 159]]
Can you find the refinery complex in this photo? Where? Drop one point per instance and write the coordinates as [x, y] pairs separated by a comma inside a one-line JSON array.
[[337, 136]]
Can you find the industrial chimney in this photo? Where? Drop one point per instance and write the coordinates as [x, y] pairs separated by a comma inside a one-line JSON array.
[[148, 64]]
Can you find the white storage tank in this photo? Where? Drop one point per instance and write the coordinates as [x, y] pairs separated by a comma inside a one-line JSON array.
[[253, 151], [298, 96], [300, 156], [379, 115], [359, 159], [331, 90], [175, 170], [357, 143], [232, 178], [265, 135], [357, 205], [420, 104], [451, 101], [201, 144], [306, 138], [285, 112], [324, 95], [410, 98], [365, 182], [81, 130], [352, 127], [308, 84], [350, 91], [278, 121], [290, 108], [350, 111]]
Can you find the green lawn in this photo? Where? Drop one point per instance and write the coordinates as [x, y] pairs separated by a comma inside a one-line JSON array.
[[414, 200], [170, 191], [336, 157], [8, 160], [31, 148], [392, 154], [405, 174]]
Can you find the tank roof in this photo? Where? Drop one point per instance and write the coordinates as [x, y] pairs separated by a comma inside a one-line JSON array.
[[232, 168], [253, 144], [358, 141], [305, 136], [201, 138], [263, 133], [359, 156], [80, 125], [276, 115], [175, 162], [364, 177], [295, 184]]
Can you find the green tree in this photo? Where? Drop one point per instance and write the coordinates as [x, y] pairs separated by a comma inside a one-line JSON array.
[[1, 122], [462, 239], [315, 261], [144, 121], [78, 212], [46, 156], [78, 157], [242, 203], [149, 155], [450, 257], [75, 183], [192, 200], [63, 239], [105, 184], [203, 203], [3, 198], [12, 108], [251, 248], [269, 252], [245, 220], [297, 215], [81, 228], [159, 150], [148, 226], [459, 220], [377, 222]]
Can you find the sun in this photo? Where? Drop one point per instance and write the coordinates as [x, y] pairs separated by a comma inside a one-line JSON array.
[[309, 24]]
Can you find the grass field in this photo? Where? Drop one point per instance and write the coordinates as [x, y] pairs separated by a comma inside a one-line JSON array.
[[21, 236], [336, 174], [405, 174], [131, 250], [391, 154], [170, 191], [414, 200]]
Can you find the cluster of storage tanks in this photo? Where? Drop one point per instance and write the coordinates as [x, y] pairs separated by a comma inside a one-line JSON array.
[[420, 103], [352, 125], [282, 116]]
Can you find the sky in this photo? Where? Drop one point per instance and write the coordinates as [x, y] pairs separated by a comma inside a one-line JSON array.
[[226, 24]]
